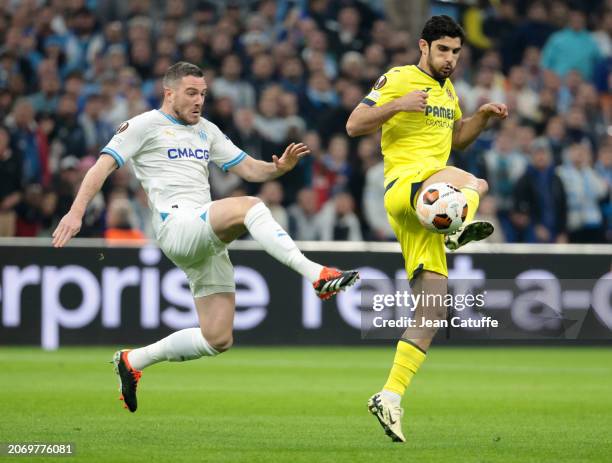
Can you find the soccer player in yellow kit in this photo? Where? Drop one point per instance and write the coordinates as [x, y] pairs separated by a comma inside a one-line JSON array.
[[421, 120]]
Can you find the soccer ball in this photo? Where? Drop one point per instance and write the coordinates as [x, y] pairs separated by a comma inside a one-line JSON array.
[[441, 208]]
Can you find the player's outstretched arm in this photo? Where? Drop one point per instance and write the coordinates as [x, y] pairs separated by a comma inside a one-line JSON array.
[[253, 170], [70, 224], [368, 119], [467, 130]]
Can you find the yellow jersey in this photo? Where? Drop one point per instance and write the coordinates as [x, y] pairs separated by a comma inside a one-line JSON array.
[[413, 141]]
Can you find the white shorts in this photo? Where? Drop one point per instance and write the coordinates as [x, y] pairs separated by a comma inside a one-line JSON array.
[[185, 235]]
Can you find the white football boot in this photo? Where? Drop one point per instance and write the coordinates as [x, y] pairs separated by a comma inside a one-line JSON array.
[[389, 416]]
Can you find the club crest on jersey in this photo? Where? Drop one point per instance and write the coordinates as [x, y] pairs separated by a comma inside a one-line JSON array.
[[188, 153], [202, 135], [123, 127], [450, 94]]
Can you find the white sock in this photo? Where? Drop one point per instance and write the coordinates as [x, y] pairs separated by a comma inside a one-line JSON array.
[[277, 242], [391, 396], [187, 344]]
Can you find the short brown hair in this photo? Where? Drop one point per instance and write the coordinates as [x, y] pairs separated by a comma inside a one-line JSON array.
[[179, 70]]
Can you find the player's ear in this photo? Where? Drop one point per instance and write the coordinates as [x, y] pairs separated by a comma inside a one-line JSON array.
[[424, 47]]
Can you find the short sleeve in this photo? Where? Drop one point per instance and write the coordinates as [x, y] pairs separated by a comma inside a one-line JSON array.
[[222, 151], [458, 113], [384, 89], [127, 141]]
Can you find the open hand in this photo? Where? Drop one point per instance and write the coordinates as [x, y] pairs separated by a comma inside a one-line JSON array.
[[68, 227], [498, 110], [293, 153]]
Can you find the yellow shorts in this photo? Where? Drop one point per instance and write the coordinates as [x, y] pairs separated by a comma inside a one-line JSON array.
[[422, 249]]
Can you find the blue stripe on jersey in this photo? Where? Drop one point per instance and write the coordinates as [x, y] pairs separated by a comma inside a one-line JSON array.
[[118, 159], [368, 102], [234, 162], [170, 118]]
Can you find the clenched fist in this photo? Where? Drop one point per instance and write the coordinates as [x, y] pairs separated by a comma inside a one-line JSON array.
[[415, 101]]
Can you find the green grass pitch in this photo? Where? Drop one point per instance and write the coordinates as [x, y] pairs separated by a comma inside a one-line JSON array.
[[309, 405]]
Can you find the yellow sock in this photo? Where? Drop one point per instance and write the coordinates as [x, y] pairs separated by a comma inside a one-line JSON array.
[[473, 200], [408, 359]]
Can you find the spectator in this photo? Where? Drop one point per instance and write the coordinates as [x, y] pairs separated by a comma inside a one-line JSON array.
[[68, 131], [319, 97], [271, 194], [338, 221], [349, 36], [289, 109], [11, 165], [520, 96], [317, 48], [29, 211], [373, 197], [262, 71], [576, 126], [141, 58], [321, 179], [97, 132], [24, 136], [292, 75], [244, 134], [334, 120], [303, 223], [572, 48], [500, 27], [604, 168], [336, 160], [485, 91], [504, 166], [121, 221], [584, 188], [269, 123], [532, 32], [230, 84], [569, 90], [47, 98], [540, 210], [603, 34], [83, 40], [555, 135]]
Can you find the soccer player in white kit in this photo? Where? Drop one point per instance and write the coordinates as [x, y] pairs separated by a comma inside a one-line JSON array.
[[170, 149]]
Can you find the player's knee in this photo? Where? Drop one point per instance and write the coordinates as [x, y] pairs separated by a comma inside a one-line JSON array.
[[483, 186], [250, 201]]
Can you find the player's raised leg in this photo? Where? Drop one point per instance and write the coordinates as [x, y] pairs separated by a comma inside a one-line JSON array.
[[472, 188], [410, 353], [232, 217], [212, 337]]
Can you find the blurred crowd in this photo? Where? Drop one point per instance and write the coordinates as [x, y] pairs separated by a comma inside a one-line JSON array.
[[280, 71]]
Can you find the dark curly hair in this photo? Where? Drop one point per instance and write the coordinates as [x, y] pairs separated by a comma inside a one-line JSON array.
[[441, 26]]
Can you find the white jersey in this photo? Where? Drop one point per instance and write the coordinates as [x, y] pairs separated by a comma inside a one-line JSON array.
[[171, 159]]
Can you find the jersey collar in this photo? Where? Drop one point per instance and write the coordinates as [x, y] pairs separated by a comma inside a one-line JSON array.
[[172, 119], [440, 81]]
